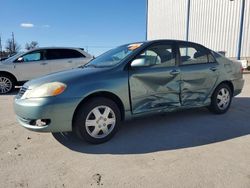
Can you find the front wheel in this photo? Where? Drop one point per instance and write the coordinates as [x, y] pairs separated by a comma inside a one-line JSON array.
[[7, 84], [221, 99], [97, 120]]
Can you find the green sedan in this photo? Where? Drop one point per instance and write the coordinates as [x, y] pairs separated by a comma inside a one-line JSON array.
[[129, 81]]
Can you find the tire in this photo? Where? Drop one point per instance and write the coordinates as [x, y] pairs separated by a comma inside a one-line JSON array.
[[221, 99], [7, 83], [97, 120]]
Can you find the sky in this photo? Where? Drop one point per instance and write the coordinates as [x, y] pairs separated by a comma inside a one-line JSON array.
[[96, 25]]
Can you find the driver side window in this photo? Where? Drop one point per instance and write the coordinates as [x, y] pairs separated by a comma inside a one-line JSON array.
[[150, 58], [33, 56], [156, 56]]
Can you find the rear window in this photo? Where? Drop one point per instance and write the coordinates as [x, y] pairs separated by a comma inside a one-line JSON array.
[[63, 54]]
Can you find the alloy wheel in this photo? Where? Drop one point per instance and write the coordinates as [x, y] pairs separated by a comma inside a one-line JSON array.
[[5, 85]]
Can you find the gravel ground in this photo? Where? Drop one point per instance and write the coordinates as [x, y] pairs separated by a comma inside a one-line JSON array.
[[192, 148]]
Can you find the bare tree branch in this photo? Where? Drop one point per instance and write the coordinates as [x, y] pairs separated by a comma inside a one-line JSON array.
[[12, 47], [32, 45]]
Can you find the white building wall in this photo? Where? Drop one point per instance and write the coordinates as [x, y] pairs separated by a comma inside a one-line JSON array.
[[164, 17], [213, 23]]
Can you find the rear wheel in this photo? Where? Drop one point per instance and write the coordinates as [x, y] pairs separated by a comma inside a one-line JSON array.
[[221, 99], [7, 84], [97, 120]]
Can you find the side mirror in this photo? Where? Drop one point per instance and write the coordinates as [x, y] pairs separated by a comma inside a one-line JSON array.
[[20, 59], [140, 62]]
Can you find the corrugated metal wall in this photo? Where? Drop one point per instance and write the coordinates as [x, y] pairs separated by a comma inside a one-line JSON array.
[[164, 17], [213, 23]]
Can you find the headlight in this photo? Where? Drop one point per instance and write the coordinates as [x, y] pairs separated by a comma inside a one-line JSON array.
[[45, 90]]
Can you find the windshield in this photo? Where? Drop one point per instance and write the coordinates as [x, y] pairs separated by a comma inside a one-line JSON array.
[[114, 56], [14, 57]]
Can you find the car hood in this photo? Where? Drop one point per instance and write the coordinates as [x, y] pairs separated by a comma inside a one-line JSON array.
[[4, 64], [66, 77]]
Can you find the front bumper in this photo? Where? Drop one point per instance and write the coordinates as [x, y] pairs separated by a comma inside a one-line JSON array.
[[58, 111]]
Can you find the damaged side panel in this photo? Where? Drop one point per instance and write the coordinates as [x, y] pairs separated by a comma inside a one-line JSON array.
[[154, 89], [197, 83]]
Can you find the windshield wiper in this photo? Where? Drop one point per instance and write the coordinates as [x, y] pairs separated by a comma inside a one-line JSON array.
[[89, 65]]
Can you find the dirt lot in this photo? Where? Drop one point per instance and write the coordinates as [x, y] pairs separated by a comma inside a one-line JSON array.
[[193, 148]]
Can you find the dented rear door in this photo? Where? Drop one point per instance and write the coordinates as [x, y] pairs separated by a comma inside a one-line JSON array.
[[198, 74], [155, 86]]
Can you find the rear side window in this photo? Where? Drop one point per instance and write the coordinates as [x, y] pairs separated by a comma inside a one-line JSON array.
[[63, 54], [192, 54]]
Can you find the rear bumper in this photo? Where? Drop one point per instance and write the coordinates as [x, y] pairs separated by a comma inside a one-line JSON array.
[[238, 86], [58, 112]]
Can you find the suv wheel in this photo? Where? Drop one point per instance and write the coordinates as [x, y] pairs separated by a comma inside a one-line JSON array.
[[6, 84]]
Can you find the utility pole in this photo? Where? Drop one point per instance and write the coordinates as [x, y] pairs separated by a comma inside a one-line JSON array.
[[1, 49], [13, 43]]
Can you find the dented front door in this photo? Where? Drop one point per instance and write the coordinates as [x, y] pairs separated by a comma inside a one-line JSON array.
[[156, 85]]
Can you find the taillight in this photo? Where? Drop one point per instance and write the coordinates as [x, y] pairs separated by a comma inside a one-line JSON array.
[[241, 69]]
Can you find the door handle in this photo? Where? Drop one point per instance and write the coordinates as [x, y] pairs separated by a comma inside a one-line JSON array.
[[174, 72], [213, 68], [43, 63], [70, 61]]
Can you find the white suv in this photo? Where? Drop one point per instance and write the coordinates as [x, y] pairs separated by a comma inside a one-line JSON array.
[[41, 61]]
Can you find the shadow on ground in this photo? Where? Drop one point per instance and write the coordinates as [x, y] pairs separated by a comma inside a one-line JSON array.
[[14, 92], [171, 131]]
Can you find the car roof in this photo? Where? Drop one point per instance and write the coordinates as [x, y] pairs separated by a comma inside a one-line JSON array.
[[170, 40], [81, 50], [51, 48], [148, 42]]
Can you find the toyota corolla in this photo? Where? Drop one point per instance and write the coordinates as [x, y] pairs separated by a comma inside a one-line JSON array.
[[129, 81]]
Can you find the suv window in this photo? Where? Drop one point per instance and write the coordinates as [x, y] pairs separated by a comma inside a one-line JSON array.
[[33, 56], [192, 54], [63, 54], [159, 55]]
